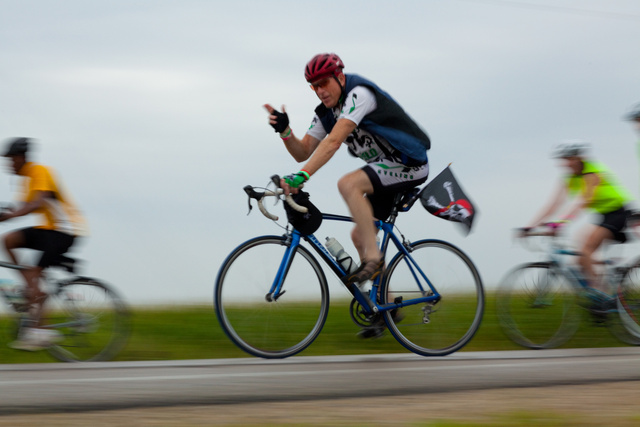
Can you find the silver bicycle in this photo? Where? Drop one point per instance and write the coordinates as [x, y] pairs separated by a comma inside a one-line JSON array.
[[540, 304], [92, 318]]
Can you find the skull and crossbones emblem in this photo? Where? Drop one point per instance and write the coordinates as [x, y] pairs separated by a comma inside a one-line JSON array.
[[456, 210]]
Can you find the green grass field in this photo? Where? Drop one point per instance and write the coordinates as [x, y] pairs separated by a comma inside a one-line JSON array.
[[193, 332]]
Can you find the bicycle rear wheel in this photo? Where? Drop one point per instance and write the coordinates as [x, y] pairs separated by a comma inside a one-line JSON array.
[[536, 306], [440, 328], [629, 304], [91, 316], [271, 327]]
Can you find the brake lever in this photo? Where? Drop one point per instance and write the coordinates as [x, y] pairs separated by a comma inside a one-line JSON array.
[[253, 194]]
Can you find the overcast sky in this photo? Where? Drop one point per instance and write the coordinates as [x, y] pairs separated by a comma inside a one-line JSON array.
[[151, 111]]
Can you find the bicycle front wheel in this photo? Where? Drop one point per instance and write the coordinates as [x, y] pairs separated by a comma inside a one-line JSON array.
[[271, 326], [91, 316], [628, 301], [434, 328], [536, 306]]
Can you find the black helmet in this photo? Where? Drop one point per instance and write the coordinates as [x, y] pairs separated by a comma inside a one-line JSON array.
[[634, 113], [17, 146]]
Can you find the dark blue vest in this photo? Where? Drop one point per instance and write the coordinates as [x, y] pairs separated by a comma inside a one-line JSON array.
[[388, 120]]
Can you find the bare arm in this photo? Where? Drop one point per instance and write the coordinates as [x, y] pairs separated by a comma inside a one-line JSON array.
[[323, 150], [300, 149], [27, 208], [328, 146]]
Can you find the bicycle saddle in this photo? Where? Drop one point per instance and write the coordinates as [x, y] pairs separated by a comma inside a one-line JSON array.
[[64, 262], [406, 199]]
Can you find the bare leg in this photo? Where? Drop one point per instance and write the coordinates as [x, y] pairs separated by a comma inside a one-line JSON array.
[[34, 296], [353, 188], [13, 241], [595, 237]]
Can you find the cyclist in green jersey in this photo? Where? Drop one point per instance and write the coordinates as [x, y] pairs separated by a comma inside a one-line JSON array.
[[596, 189]]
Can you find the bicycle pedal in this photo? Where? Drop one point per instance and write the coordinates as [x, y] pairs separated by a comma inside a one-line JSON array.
[[599, 321], [20, 307], [372, 332]]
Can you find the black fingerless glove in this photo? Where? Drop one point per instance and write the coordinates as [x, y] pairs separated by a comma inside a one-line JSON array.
[[282, 121]]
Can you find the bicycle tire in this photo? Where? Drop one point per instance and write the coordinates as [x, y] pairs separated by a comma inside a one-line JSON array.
[[281, 327], [454, 319], [93, 319], [537, 306], [628, 304]]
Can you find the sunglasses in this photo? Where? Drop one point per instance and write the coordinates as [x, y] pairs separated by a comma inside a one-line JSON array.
[[322, 84]]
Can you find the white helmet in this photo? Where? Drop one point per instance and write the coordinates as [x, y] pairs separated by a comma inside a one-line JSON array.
[[570, 148]]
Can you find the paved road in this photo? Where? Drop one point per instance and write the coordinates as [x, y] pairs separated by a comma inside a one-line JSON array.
[[72, 387]]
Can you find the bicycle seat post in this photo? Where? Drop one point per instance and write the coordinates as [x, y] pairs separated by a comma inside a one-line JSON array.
[[398, 202]]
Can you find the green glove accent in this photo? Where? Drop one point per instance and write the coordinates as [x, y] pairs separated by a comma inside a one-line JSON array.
[[295, 180]]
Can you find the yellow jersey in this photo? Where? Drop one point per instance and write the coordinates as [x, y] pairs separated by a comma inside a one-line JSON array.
[[59, 212]]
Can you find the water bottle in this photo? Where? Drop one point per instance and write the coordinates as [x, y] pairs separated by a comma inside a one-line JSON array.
[[346, 262]]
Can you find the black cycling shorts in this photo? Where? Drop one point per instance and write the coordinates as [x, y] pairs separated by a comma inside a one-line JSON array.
[[616, 222], [52, 243], [384, 193]]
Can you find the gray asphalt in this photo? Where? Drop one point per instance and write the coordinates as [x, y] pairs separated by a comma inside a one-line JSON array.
[[118, 385]]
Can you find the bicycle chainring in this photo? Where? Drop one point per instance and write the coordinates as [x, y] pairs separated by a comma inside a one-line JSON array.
[[360, 317]]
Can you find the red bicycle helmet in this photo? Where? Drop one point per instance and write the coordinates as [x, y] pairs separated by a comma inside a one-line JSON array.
[[323, 65]]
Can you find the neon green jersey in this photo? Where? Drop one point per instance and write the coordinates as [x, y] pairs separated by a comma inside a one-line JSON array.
[[608, 195]]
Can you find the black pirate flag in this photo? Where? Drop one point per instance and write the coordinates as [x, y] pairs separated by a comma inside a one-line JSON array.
[[444, 198]]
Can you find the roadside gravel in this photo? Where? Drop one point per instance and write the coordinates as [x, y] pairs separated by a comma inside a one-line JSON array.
[[611, 404]]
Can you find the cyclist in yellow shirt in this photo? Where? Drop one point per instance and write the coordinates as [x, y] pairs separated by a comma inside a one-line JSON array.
[[61, 224], [595, 189]]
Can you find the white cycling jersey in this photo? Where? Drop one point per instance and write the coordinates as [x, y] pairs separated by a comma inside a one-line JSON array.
[[359, 102]]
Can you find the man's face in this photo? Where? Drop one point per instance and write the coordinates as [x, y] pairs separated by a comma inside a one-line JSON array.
[[16, 163], [329, 90]]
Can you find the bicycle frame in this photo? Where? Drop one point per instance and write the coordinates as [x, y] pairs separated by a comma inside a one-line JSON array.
[[278, 326], [4, 264], [44, 278], [369, 302], [556, 254]]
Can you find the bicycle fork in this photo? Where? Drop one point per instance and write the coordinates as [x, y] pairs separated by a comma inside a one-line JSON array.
[[276, 290]]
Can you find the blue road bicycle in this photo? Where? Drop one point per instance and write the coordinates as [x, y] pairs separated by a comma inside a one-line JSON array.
[[271, 295]]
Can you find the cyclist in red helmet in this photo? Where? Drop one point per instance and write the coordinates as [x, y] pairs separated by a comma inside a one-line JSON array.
[[355, 112]]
